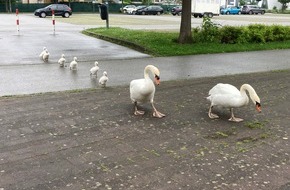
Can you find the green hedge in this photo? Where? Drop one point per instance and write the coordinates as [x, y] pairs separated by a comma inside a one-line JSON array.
[[254, 33]]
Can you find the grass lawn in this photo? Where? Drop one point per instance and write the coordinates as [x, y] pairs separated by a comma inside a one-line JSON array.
[[158, 43]]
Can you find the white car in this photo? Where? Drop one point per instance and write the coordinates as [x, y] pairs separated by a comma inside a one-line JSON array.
[[125, 9], [132, 11]]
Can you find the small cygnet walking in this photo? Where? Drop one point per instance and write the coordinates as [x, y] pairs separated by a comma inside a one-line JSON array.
[[74, 64], [45, 56], [94, 70], [104, 79], [41, 54], [61, 61]]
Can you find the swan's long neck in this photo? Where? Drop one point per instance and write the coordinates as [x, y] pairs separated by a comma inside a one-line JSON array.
[[149, 68], [253, 95]]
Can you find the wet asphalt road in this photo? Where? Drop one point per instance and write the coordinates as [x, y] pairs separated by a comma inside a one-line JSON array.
[[22, 72]]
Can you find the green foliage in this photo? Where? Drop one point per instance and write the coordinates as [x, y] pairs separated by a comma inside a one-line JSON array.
[[284, 4], [209, 31], [242, 2], [233, 35], [255, 33]]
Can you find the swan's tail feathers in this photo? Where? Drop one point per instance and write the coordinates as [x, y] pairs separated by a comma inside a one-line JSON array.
[[208, 98]]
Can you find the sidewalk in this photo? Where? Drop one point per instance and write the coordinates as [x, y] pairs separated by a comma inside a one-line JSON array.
[[91, 139], [38, 78]]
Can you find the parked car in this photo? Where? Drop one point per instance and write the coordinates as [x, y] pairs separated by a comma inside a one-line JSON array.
[[231, 10], [252, 9], [124, 9], [132, 11], [150, 10], [59, 10], [176, 10]]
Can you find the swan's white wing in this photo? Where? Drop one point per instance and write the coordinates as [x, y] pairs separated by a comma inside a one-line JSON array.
[[142, 90], [224, 89], [103, 79], [226, 95], [94, 70], [61, 60]]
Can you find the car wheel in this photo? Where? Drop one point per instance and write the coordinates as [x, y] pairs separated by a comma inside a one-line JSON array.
[[134, 12], [143, 13], [263, 12], [158, 13], [239, 12], [43, 15], [66, 14], [227, 12], [179, 14], [251, 12], [210, 15], [200, 15], [173, 14]]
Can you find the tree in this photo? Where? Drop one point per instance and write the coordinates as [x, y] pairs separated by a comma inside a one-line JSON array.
[[185, 35], [284, 4]]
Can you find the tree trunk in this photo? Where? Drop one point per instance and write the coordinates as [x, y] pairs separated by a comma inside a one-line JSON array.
[[185, 35]]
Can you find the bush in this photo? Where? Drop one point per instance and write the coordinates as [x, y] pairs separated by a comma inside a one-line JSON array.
[[209, 31], [233, 35], [255, 33]]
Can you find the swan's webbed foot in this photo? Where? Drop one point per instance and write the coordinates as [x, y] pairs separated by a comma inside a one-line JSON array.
[[158, 114], [212, 115], [236, 119], [139, 112], [233, 118]]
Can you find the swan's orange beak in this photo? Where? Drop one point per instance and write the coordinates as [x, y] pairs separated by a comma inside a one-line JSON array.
[[157, 80], [258, 107]]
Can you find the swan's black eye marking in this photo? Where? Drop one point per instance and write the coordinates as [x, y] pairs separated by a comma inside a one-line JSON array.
[[157, 77], [258, 104]]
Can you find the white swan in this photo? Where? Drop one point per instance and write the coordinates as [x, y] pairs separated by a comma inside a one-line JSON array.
[[226, 95], [103, 80], [94, 70], [41, 54], [45, 56], [143, 90], [61, 61], [74, 64]]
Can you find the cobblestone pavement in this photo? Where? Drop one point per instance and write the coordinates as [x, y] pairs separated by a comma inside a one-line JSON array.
[[91, 140]]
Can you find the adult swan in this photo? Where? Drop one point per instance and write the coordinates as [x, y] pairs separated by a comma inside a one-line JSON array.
[[226, 95], [143, 90]]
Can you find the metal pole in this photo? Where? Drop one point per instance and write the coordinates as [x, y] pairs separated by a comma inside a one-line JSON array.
[[17, 20], [53, 22], [107, 21]]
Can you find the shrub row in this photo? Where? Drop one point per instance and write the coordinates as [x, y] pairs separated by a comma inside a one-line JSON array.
[[255, 33]]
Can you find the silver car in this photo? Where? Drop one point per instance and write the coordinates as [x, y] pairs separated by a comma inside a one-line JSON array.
[[252, 9]]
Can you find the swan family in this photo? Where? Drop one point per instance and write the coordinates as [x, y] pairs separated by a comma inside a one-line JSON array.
[[143, 90]]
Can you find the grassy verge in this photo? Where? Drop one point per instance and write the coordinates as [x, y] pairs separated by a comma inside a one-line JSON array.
[[163, 43]]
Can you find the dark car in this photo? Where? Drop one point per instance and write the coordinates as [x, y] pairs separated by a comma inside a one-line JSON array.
[[252, 9], [59, 10], [150, 10], [176, 10]]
